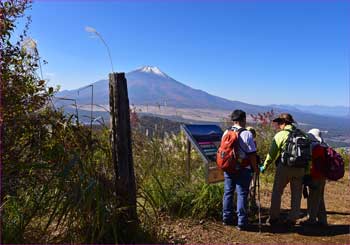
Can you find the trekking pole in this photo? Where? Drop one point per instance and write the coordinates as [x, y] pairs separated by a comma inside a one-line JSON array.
[[254, 190], [252, 194], [259, 211]]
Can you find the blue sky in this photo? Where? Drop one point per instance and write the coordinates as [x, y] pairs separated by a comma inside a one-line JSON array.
[[259, 52]]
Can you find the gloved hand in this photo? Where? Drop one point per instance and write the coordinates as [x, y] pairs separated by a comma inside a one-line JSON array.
[[262, 168]]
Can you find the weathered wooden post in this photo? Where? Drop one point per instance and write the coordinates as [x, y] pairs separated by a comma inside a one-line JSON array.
[[121, 144]]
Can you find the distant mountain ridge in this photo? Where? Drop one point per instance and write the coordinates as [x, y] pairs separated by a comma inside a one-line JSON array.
[[148, 85], [338, 111]]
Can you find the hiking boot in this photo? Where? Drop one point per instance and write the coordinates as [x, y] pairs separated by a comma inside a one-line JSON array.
[[322, 224], [227, 223], [273, 222], [308, 223], [242, 227], [289, 223]]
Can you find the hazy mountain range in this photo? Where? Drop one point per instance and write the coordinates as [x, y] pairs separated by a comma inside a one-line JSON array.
[[338, 111], [149, 87]]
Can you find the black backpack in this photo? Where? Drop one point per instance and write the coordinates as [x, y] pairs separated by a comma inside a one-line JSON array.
[[298, 151]]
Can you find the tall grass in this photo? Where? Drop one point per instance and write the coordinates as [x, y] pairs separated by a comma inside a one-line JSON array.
[[66, 192], [161, 174]]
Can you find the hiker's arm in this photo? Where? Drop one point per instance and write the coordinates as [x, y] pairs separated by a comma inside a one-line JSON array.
[[273, 153]]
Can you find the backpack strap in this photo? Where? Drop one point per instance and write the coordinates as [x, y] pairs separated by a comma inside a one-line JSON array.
[[239, 131], [291, 131]]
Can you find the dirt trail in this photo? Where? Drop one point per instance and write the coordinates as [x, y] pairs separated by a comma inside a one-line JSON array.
[[337, 199]]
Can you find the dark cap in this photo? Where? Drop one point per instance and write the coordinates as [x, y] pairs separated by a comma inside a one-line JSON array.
[[238, 115], [284, 118]]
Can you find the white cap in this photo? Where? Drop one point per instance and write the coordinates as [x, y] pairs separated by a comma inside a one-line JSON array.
[[316, 133]]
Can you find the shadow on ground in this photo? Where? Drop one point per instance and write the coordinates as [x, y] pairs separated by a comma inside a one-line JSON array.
[[331, 230]]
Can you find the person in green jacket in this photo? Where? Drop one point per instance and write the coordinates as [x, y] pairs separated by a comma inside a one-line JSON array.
[[284, 174]]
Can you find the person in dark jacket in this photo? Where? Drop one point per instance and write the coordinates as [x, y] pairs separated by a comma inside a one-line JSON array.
[[316, 208]]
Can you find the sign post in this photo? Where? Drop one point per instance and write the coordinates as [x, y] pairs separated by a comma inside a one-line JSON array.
[[205, 138]]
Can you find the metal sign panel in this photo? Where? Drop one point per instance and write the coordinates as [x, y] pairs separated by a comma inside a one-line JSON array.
[[206, 139]]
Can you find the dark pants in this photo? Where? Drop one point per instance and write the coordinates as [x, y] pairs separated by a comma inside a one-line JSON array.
[[239, 182], [315, 202]]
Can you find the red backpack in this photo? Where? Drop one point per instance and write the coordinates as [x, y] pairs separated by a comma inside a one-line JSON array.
[[327, 162], [227, 155], [335, 165]]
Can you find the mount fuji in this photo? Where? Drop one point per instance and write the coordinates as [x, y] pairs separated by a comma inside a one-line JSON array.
[[149, 85]]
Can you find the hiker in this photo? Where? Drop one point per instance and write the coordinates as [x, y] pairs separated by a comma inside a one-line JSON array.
[[253, 183], [253, 131], [285, 172], [316, 208], [240, 179]]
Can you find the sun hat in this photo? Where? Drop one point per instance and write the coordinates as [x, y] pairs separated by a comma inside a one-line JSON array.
[[316, 134], [284, 117]]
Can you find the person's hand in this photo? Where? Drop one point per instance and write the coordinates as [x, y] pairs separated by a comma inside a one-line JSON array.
[[262, 169]]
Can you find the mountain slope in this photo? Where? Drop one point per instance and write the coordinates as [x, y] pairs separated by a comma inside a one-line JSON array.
[[150, 86]]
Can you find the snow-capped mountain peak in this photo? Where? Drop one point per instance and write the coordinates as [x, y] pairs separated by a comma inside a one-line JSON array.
[[153, 69]]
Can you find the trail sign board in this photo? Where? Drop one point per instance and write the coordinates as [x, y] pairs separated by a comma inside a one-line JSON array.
[[205, 139]]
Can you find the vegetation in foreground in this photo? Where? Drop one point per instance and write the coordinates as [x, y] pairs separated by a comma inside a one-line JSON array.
[[57, 179]]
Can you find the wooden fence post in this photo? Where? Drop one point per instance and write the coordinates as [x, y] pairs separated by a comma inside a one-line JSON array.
[[121, 144]]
